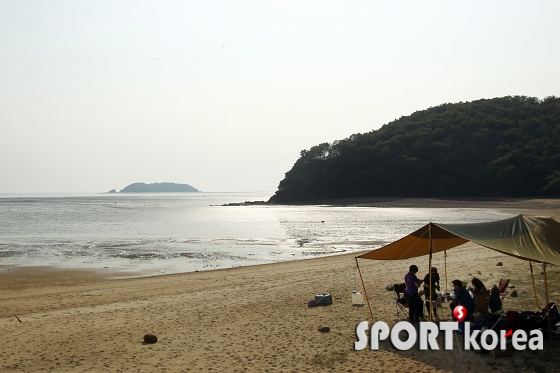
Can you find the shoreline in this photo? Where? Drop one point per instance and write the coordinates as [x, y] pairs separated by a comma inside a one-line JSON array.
[[20, 277], [536, 207], [502, 203]]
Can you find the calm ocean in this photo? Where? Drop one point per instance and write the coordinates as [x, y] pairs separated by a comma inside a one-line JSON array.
[[170, 233]]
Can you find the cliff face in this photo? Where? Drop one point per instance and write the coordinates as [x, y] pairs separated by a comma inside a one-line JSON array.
[[158, 188]]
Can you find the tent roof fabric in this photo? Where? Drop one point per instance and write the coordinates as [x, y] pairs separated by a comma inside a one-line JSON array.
[[525, 237]]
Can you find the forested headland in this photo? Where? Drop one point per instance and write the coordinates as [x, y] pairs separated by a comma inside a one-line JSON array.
[[500, 147]]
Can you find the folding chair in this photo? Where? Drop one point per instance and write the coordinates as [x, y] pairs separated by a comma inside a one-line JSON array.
[[554, 319], [554, 314], [401, 304], [539, 320], [499, 318], [504, 282]]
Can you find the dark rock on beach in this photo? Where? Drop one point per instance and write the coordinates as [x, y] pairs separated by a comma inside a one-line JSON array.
[[150, 338], [313, 303]]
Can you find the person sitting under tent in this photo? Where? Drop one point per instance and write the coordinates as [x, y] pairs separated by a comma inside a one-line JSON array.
[[411, 294], [494, 300], [478, 286], [462, 297]]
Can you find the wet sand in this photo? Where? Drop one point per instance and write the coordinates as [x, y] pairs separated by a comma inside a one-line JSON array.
[[248, 319], [534, 206]]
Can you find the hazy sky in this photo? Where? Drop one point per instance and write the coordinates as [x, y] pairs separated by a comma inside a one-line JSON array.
[[223, 95]]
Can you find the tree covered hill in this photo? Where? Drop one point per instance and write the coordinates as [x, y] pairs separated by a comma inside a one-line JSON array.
[[501, 147]]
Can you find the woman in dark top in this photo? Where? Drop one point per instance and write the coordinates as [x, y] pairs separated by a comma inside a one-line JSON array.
[[478, 286]]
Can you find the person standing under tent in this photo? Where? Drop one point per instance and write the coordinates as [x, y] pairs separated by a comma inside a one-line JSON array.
[[435, 287], [411, 294]]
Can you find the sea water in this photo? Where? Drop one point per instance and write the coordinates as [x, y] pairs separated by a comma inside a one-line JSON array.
[[183, 232]]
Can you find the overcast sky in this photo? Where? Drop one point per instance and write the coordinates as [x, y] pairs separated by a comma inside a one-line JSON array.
[[95, 95]]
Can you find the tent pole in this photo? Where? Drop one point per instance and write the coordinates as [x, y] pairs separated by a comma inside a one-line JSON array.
[[547, 303], [534, 287], [445, 264], [364, 286], [430, 274]]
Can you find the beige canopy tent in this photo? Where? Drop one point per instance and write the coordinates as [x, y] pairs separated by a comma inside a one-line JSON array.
[[524, 237]]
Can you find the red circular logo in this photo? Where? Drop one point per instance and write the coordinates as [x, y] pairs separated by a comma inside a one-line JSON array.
[[460, 313]]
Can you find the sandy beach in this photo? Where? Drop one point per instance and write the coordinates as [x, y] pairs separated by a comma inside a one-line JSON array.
[[248, 319]]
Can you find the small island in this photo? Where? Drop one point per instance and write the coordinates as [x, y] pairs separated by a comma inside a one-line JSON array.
[[157, 188]]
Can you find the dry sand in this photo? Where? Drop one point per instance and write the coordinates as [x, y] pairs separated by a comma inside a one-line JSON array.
[[250, 319]]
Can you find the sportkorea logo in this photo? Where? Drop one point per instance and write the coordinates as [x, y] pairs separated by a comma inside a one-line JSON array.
[[426, 335]]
